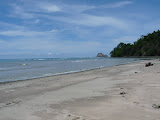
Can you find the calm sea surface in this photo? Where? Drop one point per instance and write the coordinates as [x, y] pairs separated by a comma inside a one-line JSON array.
[[21, 69]]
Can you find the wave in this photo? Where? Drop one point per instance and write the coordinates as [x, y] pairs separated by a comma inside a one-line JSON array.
[[79, 60], [23, 64]]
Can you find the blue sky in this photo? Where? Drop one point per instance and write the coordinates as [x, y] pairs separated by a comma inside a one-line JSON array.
[[72, 28]]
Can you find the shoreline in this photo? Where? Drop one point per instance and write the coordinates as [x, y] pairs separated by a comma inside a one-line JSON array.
[[58, 74], [117, 92], [64, 73]]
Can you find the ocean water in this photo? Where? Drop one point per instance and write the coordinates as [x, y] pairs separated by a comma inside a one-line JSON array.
[[21, 69]]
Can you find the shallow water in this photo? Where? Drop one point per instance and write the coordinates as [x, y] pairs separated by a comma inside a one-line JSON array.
[[21, 69]]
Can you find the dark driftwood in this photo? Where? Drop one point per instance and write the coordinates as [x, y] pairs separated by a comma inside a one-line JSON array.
[[148, 64]]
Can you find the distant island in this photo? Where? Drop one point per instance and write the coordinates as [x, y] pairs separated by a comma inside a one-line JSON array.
[[101, 55], [148, 45]]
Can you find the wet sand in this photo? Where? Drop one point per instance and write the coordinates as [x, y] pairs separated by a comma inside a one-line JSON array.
[[125, 92]]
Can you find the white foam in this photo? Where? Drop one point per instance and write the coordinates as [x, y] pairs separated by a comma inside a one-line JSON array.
[[79, 60], [24, 64]]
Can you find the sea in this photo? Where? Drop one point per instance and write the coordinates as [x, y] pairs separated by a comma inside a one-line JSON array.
[[23, 69]]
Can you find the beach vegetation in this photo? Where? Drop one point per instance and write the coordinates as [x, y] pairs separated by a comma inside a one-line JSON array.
[[146, 45]]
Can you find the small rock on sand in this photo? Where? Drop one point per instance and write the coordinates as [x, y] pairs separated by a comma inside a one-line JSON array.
[[122, 93], [157, 106]]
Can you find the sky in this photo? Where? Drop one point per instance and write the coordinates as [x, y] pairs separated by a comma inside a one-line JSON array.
[[72, 28]]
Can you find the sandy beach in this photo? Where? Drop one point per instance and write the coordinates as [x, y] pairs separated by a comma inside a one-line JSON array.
[[124, 92]]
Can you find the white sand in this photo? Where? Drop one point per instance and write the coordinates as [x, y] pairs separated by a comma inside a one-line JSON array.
[[89, 95]]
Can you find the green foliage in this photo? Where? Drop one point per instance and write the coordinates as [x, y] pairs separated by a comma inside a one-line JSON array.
[[148, 45]]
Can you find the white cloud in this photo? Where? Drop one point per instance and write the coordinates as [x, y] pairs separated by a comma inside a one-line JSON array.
[[46, 7], [28, 33], [20, 33], [50, 53], [3, 44], [126, 39], [119, 4], [37, 21], [6, 25], [92, 21], [76, 9], [53, 30], [124, 3], [2, 41], [72, 9], [20, 12], [28, 12], [50, 46]]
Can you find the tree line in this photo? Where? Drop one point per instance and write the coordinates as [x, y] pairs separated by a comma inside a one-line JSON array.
[[148, 45]]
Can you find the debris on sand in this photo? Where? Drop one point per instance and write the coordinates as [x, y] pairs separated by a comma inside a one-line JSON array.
[[148, 64], [157, 106], [136, 102], [122, 93]]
